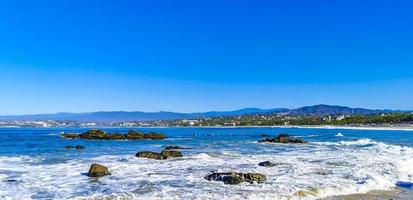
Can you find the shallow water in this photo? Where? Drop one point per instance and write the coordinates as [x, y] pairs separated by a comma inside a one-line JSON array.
[[35, 165]]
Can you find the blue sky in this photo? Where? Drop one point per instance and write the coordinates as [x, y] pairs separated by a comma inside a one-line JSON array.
[[77, 56]]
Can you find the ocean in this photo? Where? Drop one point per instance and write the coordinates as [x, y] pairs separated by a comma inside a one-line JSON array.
[[35, 165]]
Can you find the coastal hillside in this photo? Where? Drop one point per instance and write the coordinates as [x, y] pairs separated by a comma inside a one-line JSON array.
[[122, 116]]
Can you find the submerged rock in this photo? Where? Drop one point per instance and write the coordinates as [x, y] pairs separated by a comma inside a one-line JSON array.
[[266, 164], [70, 135], [80, 147], [171, 147], [95, 134], [75, 147], [165, 154], [283, 138], [97, 170], [234, 178]]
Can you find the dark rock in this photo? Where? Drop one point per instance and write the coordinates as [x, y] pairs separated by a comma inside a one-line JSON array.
[[171, 153], [69, 147], [165, 154], [117, 136], [171, 147], [97, 170], [155, 136], [134, 135], [151, 155], [266, 164], [80, 147], [95, 134], [234, 178], [283, 138], [70, 135], [284, 135]]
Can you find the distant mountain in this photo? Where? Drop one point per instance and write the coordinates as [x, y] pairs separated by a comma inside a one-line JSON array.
[[321, 110], [118, 116]]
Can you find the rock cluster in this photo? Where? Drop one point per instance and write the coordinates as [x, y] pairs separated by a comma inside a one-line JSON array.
[[165, 154], [234, 178], [283, 138], [97, 170], [95, 134]]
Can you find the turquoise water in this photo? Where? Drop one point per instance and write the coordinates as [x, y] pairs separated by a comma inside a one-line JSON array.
[[35, 165]]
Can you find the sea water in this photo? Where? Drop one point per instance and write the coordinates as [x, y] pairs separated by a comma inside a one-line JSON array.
[[35, 165]]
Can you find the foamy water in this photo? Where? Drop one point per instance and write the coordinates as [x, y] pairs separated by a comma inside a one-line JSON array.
[[319, 169]]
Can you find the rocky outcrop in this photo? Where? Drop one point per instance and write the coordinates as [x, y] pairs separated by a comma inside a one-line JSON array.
[[165, 154], [117, 136], [284, 138], [97, 170], [70, 135], [95, 134], [150, 155], [266, 164], [234, 178]]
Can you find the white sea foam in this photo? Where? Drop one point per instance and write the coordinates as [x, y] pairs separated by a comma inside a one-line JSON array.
[[339, 134], [316, 170]]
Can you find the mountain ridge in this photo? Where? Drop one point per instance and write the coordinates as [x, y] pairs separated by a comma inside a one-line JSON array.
[[118, 116]]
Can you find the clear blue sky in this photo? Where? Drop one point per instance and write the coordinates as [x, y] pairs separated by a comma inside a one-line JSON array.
[[77, 56]]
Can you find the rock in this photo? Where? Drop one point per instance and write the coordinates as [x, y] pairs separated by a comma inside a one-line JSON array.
[[266, 164], [165, 154], [155, 136], [234, 178], [97, 170], [255, 177], [171, 153], [151, 155], [172, 147], [69, 147], [117, 136], [95, 134], [70, 135], [80, 147], [283, 138], [134, 135]]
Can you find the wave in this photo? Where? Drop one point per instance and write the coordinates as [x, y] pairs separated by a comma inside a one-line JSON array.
[[309, 171]]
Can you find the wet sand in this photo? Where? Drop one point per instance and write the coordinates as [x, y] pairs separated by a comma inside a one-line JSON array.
[[396, 194]]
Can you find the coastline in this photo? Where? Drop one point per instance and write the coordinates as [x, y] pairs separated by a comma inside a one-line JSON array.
[[381, 128]]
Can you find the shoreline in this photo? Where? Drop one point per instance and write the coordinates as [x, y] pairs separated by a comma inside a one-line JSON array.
[[382, 128]]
